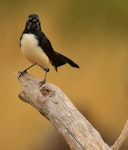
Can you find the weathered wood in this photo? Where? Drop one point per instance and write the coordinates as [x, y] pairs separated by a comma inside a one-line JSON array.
[[124, 134], [52, 103]]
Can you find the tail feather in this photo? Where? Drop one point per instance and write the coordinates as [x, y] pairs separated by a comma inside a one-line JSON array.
[[60, 59]]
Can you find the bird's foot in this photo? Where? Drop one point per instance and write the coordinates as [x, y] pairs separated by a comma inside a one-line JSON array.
[[42, 83], [21, 73]]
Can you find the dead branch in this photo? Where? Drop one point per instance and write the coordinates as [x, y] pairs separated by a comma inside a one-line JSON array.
[[52, 103], [124, 134]]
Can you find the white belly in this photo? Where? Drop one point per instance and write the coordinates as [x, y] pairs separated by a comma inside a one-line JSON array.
[[31, 50]]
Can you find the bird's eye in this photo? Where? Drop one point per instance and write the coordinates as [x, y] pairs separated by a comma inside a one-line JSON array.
[[30, 19]]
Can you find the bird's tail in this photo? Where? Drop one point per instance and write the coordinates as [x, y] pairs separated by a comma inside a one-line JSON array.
[[61, 60]]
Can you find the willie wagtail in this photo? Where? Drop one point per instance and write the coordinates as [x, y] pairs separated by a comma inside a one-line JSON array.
[[37, 48]]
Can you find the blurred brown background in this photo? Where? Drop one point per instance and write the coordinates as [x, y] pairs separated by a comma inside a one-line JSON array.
[[95, 35]]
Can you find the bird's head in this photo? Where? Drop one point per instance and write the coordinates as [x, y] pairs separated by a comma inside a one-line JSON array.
[[33, 22]]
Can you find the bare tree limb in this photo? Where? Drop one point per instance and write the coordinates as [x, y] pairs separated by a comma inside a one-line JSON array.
[[52, 103], [124, 134]]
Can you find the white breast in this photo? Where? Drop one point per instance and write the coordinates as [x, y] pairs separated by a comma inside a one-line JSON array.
[[32, 51]]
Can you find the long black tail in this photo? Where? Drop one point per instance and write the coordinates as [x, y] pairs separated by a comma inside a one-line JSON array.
[[60, 59]]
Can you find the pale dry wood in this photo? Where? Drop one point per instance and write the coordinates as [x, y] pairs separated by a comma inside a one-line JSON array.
[[52, 103], [124, 134]]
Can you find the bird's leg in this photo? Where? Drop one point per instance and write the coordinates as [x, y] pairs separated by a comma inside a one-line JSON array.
[[46, 71], [25, 71]]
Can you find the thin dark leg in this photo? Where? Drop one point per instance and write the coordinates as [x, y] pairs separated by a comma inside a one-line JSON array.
[[29, 67], [25, 71], [46, 71]]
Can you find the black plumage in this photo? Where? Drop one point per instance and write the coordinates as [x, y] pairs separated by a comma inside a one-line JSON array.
[[56, 59]]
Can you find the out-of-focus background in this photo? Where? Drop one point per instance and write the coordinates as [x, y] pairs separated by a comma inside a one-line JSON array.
[[94, 34]]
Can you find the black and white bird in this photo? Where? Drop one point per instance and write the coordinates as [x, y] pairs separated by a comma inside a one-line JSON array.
[[37, 48]]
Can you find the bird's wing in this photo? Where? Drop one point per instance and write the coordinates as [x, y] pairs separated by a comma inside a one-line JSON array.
[[49, 51], [56, 58], [46, 45]]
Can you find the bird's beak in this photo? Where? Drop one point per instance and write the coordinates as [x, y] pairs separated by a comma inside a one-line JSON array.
[[34, 24]]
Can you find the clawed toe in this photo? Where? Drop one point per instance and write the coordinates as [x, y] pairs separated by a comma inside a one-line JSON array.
[[21, 73], [42, 83]]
